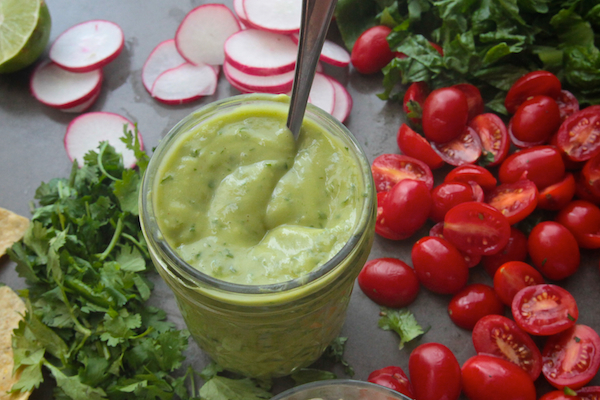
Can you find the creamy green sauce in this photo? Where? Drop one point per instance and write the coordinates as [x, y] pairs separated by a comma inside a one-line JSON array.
[[240, 200]]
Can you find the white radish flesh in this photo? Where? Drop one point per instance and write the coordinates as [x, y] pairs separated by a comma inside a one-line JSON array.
[[164, 57], [332, 53], [83, 106], [238, 8], [203, 32], [279, 83], [322, 93], [279, 16], [87, 46], [185, 83], [86, 132], [343, 101]]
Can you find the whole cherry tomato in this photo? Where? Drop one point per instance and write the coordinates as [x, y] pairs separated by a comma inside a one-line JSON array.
[[381, 227], [515, 250], [579, 135], [584, 191], [406, 206], [474, 99], [472, 303], [529, 85], [488, 377], [445, 114], [414, 145], [464, 149], [558, 195], [389, 169], [472, 173], [514, 276], [553, 250], [371, 51], [434, 372], [389, 282], [413, 101], [535, 120], [448, 194], [541, 164], [514, 200], [582, 219], [567, 104], [493, 136], [392, 377]]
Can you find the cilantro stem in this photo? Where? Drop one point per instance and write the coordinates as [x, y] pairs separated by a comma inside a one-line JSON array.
[[136, 242], [78, 327], [113, 241], [101, 165]]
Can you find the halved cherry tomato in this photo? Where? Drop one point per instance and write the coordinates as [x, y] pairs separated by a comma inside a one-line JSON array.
[[406, 206], [389, 169], [392, 377], [476, 228], [464, 149], [586, 393], [541, 164], [514, 276], [535, 120], [439, 265], [558, 195], [371, 51], [472, 303], [488, 377], [494, 139], [567, 104], [414, 145], [582, 219], [434, 372], [591, 174], [572, 357], [500, 336], [579, 135], [381, 227], [470, 172], [515, 250], [474, 99], [529, 85], [514, 200], [544, 309], [553, 250], [445, 114], [472, 260], [413, 101], [448, 194], [584, 191], [389, 282]]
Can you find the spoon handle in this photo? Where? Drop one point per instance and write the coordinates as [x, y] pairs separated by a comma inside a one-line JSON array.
[[316, 16]]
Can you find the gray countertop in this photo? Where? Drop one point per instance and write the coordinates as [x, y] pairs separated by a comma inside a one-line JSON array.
[[31, 152]]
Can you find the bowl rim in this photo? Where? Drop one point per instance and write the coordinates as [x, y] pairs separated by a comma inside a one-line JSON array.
[[339, 382]]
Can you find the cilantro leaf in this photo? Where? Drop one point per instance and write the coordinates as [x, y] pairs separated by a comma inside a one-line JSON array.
[[402, 322], [221, 388]]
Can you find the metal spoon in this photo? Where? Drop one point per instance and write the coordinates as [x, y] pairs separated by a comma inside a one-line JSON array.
[[316, 16]]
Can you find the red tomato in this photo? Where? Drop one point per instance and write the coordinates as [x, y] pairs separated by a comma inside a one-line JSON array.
[[515, 250], [437, 48], [488, 377], [381, 227], [371, 51], [414, 145], [584, 191], [476, 228], [434, 372], [591, 174], [464, 149], [535, 120], [500, 336], [493, 135], [413, 101], [514, 276], [470, 172], [389, 169], [572, 357], [447, 195], [394, 378], [514, 200], [471, 260], [532, 84], [406, 206], [558, 195], [474, 99], [541, 164], [439, 265], [445, 114], [544, 309], [567, 104], [389, 282], [586, 393], [553, 250], [579, 135], [582, 219], [472, 303]]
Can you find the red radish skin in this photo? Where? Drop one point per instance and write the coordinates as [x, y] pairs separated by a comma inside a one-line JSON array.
[[56, 87], [343, 101], [238, 8], [278, 83], [277, 16], [164, 57], [185, 83], [202, 33], [332, 53], [322, 93], [83, 106], [86, 132], [88, 46]]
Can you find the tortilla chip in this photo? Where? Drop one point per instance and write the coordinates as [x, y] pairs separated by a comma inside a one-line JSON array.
[[12, 229], [11, 313]]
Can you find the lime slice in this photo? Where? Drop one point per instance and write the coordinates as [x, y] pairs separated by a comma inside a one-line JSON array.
[[24, 32]]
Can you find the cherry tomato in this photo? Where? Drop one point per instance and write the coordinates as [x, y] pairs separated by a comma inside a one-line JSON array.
[[445, 114], [474, 99], [437, 48], [515, 250], [541, 164], [406, 206], [514, 276], [493, 135], [582, 219], [567, 104], [471, 260], [439, 265], [558, 195], [448, 194], [553, 250], [414, 145], [500, 336], [591, 174], [413, 101], [464, 149], [469, 172], [572, 357], [488, 377], [472, 303], [544, 309], [584, 191], [586, 393], [532, 84], [392, 377], [381, 227], [389, 282], [371, 51], [579, 135], [535, 120], [476, 228], [389, 169], [434, 372], [514, 200]]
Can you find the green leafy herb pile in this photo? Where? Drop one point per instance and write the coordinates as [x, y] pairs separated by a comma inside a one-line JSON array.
[[489, 43]]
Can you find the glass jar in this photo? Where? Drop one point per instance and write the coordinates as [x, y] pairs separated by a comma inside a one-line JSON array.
[[267, 330]]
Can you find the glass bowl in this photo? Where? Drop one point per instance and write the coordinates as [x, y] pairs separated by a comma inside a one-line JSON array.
[[340, 389]]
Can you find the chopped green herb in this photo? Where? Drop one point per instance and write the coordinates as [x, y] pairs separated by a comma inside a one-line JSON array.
[[402, 322]]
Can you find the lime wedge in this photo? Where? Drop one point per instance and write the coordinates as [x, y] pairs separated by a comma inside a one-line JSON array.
[[24, 32]]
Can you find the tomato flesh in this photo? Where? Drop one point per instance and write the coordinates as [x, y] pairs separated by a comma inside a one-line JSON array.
[[579, 135], [389, 169], [463, 149], [493, 136], [514, 200]]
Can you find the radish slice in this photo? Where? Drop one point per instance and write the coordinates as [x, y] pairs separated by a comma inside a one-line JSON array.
[[83, 106], [185, 83], [322, 93], [164, 57], [279, 16], [87, 46], [203, 32], [261, 53], [56, 87], [238, 8], [343, 101], [86, 132], [281, 83], [332, 53]]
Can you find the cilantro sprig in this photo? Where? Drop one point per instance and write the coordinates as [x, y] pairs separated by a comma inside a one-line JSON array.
[[401, 321]]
